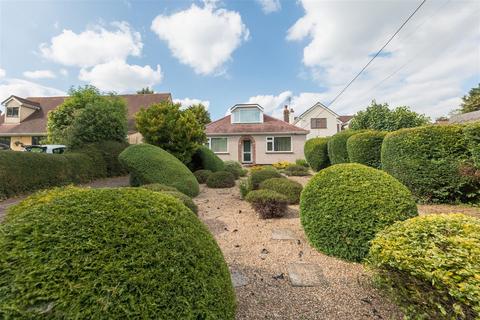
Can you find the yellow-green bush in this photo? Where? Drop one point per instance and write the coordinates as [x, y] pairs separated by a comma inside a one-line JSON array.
[[221, 179], [289, 188], [365, 148], [431, 266], [296, 170], [258, 176], [186, 200], [337, 146], [316, 153]]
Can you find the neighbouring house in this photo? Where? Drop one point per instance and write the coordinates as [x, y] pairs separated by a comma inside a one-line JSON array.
[[465, 117], [24, 121], [320, 121], [251, 137]]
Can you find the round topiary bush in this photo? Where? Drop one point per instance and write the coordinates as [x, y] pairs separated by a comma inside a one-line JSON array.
[[204, 158], [110, 253], [296, 170], [316, 153], [221, 179], [150, 164], [186, 200], [159, 187], [337, 146], [258, 176], [428, 161], [431, 266], [234, 168], [202, 175], [365, 148], [267, 203], [342, 208], [289, 188]]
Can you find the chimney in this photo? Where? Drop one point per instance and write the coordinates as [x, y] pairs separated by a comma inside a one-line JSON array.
[[286, 114], [292, 116]]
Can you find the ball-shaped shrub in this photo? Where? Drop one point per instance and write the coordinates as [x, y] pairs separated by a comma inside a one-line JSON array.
[[296, 170], [110, 253], [202, 175], [337, 146], [150, 164], [316, 153], [186, 200], [234, 168], [221, 179], [204, 158], [267, 203], [431, 265], [428, 161], [289, 188], [258, 176], [365, 148], [342, 208]]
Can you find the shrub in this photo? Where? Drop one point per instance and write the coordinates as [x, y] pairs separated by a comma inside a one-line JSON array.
[[259, 176], [337, 146], [235, 168], [151, 164], [261, 167], [221, 179], [106, 155], [159, 187], [289, 188], [281, 165], [204, 158], [472, 134], [302, 162], [365, 148], [430, 265], [267, 203], [316, 153], [296, 170], [342, 208], [202, 175], [427, 160], [244, 188], [110, 253], [186, 200]]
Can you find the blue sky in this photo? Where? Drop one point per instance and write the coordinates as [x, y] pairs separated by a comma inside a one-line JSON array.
[[226, 52]]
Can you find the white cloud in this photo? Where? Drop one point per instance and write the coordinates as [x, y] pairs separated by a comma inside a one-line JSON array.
[[187, 102], [119, 76], [93, 46], [425, 66], [39, 74], [64, 72], [202, 38], [271, 103], [3, 73], [269, 6]]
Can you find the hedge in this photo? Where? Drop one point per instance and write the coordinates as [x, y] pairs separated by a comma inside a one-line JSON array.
[[289, 188], [186, 200], [110, 253], [221, 179], [204, 158], [267, 203], [150, 164], [202, 175], [316, 153], [235, 168], [337, 146], [258, 176], [431, 266], [106, 155], [365, 148], [472, 134], [342, 208], [428, 161]]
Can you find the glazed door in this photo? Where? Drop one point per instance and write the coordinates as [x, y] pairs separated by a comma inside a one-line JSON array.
[[247, 151]]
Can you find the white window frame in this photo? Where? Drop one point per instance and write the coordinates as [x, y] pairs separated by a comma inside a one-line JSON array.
[[11, 108], [210, 145], [238, 110], [272, 140]]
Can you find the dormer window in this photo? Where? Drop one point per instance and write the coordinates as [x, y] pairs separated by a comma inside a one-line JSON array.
[[13, 112], [247, 114]]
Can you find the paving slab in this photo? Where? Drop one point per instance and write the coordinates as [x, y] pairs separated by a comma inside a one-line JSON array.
[[238, 279], [283, 234], [303, 274]]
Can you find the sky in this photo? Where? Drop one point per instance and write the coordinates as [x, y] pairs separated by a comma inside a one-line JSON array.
[[271, 52]]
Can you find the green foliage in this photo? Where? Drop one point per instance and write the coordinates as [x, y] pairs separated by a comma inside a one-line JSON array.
[[380, 117], [166, 126], [202, 175], [342, 208], [150, 164], [316, 153], [430, 265], [267, 203], [472, 134], [365, 148], [221, 179], [105, 155], [88, 116], [337, 146], [289, 188], [471, 102], [296, 170], [428, 160], [244, 188], [302, 162], [204, 158], [235, 168], [258, 176], [186, 200], [145, 90], [158, 187], [110, 254], [200, 113]]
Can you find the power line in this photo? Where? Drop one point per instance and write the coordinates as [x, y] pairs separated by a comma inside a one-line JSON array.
[[376, 55]]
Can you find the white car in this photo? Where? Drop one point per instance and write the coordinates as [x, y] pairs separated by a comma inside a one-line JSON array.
[[46, 148]]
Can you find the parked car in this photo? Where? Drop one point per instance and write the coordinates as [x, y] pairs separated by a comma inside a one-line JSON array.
[[4, 147], [47, 148]]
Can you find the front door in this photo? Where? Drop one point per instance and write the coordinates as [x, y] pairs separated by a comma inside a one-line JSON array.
[[247, 151]]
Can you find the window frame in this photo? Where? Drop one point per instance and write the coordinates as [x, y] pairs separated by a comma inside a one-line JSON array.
[[238, 110], [271, 139], [11, 115], [317, 122], [210, 145]]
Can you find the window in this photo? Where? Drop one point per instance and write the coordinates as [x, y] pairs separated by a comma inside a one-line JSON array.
[[12, 112], [318, 123], [5, 140], [36, 140], [279, 144], [247, 115], [218, 145]]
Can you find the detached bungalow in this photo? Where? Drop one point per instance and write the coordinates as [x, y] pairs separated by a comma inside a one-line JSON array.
[[249, 136]]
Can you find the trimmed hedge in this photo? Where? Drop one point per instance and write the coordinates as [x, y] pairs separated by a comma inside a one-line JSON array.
[[110, 253], [296, 170], [106, 154], [186, 200], [159, 187], [342, 208], [235, 168], [150, 164], [221, 179], [202, 175], [366, 148], [472, 134], [267, 203], [337, 146], [204, 158], [428, 161], [431, 266], [289, 188], [258, 176], [316, 153]]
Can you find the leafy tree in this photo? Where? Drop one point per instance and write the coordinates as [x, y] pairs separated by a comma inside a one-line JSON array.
[[200, 113], [146, 90], [471, 102], [88, 116], [381, 117], [167, 126]]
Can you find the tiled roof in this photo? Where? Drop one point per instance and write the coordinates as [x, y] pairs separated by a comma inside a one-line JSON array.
[[37, 122], [345, 118], [269, 125], [465, 117]]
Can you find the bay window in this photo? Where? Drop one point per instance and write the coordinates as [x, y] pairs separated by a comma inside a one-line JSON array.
[[279, 144]]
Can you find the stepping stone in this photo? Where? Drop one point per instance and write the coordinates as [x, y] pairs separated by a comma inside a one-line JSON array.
[[306, 275], [238, 279], [283, 234]]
